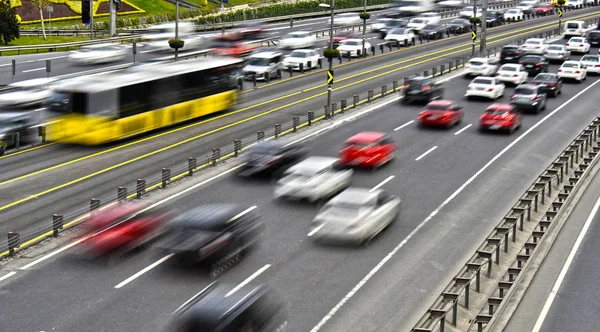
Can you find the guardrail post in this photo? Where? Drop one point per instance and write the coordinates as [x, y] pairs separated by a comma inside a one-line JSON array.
[[295, 123], [372, 50], [17, 140], [14, 241], [450, 67], [134, 50], [343, 105], [237, 146], [320, 63], [383, 90], [311, 117], [254, 80], [326, 108], [442, 69], [121, 194], [48, 68], [268, 77], [301, 67], [349, 54], [290, 71], [57, 224], [395, 85], [14, 69], [309, 65], [94, 204], [397, 44], [333, 109], [260, 135], [165, 177], [380, 48], [433, 71], [241, 83], [340, 57], [291, 22], [277, 130], [389, 44], [426, 73], [140, 188], [355, 101], [215, 156], [369, 95]]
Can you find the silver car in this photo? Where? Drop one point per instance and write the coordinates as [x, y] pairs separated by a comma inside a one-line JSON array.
[[356, 215], [313, 179], [556, 52]]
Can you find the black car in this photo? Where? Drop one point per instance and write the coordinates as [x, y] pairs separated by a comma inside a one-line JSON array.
[[549, 83], [494, 18], [16, 126], [594, 38], [267, 157], [222, 308], [529, 97], [433, 31], [422, 89], [392, 24], [211, 234], [510, 54], [459, 25], [535, 64]]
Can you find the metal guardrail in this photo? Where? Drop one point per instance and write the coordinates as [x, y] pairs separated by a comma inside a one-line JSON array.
[[79, 32], [53, 47]]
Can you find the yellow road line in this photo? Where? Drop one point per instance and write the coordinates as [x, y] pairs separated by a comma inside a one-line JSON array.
[[10, 154]]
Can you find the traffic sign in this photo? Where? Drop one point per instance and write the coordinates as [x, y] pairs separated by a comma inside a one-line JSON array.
[[473, 35], [560, 13], [330, 77]]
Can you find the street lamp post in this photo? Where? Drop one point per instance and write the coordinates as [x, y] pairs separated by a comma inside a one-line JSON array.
[[176, 27], [483, 40], [364, 38], [330, 85]]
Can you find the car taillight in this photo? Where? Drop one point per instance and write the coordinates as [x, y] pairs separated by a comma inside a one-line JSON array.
[[485, 67], [515, 75], [406, 86], [497, 74], [513, 96], [425, 88], [534, 98], [581, 45], [534, 83], [577, 72], [467, 66], [560, 70], [537, 65], [522, 63], [469, 88], [537, 47], [517, 53], [490, 90], [568, 44], [597, 66], [346, 149], [552, 85]]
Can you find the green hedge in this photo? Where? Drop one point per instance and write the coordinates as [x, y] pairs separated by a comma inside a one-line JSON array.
[[282, 10]]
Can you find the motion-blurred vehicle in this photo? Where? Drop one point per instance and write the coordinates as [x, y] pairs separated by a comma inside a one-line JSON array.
[[298, 39], [100, 53], [157, 36], [253, 30], [356, 215], [342, 36], [264, 49], [459, 25], [535, 64], [548, 83], [510, 54], [572, 70], [591, 63], [121, 228], [413, 7], [534, 46], [433, 31], [512, 73], [594, 38], [556, 52], [222, 308], [313, 179], [513, 15], [526, 8], [232, 45], [450, 3], [431, 17], [574, 29], [420, 88], [368, 149], [544, 9], [380, 24], [441, 113], [392, 24], [211, 233], [481, 66], [347, 19], [13, 123], [270, 156], [405, 36], [264, 66], [297, 57], [468, 12], [494, 18], [27, 94], [504, 117], [528, 97], [572, 4], [417, 23], [486, 87], [353, 47], [578, 45]]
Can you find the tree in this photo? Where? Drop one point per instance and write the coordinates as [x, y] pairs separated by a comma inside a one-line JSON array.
[[41, 5], [9, 24]]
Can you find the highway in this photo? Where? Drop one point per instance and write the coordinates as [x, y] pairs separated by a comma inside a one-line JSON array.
[[61, 179], [451, 197]]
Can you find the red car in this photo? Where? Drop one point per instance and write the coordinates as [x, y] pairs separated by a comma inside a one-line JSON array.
[[340, 37], [544, 9], [121, 228], [368, 149], [501, 117], [441, 113], [232, 45]]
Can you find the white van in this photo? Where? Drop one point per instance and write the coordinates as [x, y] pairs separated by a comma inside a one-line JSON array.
[[574, 28]]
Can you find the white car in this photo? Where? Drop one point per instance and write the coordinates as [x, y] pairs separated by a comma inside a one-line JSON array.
[[481, 66], [314, 178], [575, 3], [591, 63], [513, 14], [534, 46], [380, 24], [405, 36], [557, 52], [432, 18], [575, 28], [525, 8], [468, 12], [353, 46], [572, 69], [298, 57], [512, 73], [356, 215], [578, 44], [27, 93], [101, 53], [298, 39], [487, 87], [347, 19], [416, 23]]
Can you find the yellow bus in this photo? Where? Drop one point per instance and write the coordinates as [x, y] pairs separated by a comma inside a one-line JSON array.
[[110, 106]]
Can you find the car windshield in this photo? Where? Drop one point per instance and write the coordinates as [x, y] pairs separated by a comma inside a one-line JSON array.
[[572, 25], [576, 40], [264, 150], [352, 43], [259, 62], [475, 63], [299, 55], [398, 32], [524, 91], [342, 211], [510, 48], [438, 107], [508, 69], [470, 8], [343, 34], [512, 11], [296, 35], [482, 81], [531, 59], [533, 42], [430, 27], [418, 83], [544, 77], [592, 58], [570, 65], [417, 20], [496, 111], [555, 47]]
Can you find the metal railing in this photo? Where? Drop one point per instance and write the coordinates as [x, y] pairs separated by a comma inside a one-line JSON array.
[[54, 47]]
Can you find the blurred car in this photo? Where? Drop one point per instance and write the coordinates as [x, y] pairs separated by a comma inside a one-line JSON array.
[[450, 3], [232, 45], [405, 36], [441, 113], [368, 149], [12, 123], [264, 49], [270, 156], [526, 8], [459, 25], [264, 66], [380, 24], [512, 73], [347, 19], [27, 94], [468, 12], [594, 38], [534, 46], [298, 39], [513, 15], [302, 56], [535, 64], [253, 30], [591, 63], [578, 44], [486, 87], [211, 233], [510, 54], [392, 24], [494, 18], [341, 36], [549, 83], [420, 88], [544, 9], [353, 47], [433, 31], [314, 179], [432, 18], [223, 308], [574, 28], [121, 228], [101, 53], [528, 97], [355, 215], [572, 70], [572, 4], [481, 66], [501, 117], [555, 52], [417, 23]]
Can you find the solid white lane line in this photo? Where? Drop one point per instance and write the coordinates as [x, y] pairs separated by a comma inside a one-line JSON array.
[[404, 125], [426, 153], [242, 213], [193, 297], [248, 280], [391, 254], [148, 268], [382, 183], [463, 129], [565, 268], [8, 275], [36, 69], [43, 258], [314, 231]]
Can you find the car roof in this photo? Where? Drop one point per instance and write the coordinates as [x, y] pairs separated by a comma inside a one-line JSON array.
[[267, 145], [33, 82], [304, 50], [526, 86], [265, 55], [209, 216], [479, 59], [514, 65], [440, 103], [511, 46], [500, 106], [354, 196], [570, 62], [354, 40], [366, 136], [312, 165], [418, 78], [534, 39]]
